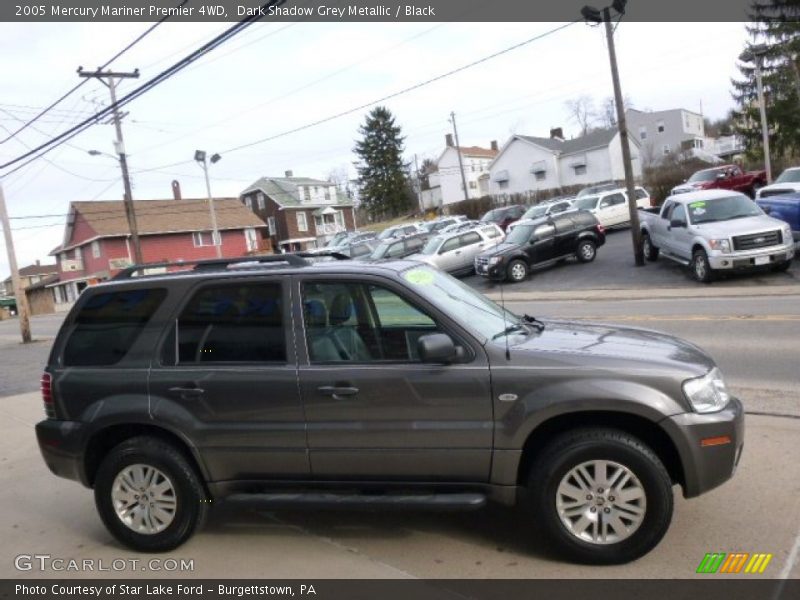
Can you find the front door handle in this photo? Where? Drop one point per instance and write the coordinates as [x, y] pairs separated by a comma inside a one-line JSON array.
[[188, 391], [337, 392]]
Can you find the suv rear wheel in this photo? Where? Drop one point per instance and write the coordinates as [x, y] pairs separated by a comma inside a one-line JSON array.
[[586, 251], [601, 496], [517, 270], [148, 495]]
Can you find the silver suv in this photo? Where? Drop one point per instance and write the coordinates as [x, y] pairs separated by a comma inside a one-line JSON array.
[[455, 252]]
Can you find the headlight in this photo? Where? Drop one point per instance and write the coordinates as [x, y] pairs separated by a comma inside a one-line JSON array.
[[707, 393], [721, 245], [787, 234], [495, 260]]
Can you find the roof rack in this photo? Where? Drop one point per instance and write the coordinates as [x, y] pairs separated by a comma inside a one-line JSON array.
[[330, 253], [294, 260]]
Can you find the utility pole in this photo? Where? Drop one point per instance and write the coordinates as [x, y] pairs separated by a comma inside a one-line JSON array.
[[762, 109], [419, 187], [460, 162], [19, 293], [200, 157], [109, 79]]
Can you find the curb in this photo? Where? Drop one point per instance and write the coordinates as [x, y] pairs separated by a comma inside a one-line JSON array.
[[648, 294]]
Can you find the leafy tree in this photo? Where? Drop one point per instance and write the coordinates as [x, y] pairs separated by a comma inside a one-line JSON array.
[[384, 186], [776, 26]]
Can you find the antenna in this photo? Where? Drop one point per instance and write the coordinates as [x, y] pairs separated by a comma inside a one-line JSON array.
[[503, 300]]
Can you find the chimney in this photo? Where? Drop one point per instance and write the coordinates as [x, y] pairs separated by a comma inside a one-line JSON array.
[[494, 145], [557, 134], [38, 263], [176, 189], [448, 140], [288, 174]]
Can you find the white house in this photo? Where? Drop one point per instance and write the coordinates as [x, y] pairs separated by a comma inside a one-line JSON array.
[[447, 177], [527, 164]]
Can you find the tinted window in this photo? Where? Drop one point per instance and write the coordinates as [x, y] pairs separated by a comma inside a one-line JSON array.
[[639, 193], [108, 325], [491, 232], [450, 244], [679, 213], [395, 250], [360, 250], [414, 244], [612, 200], [471, 238], [544, 231], [232, 323]]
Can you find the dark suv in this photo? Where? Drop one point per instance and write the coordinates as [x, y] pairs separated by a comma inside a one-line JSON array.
[[541, 242], [281, 383]]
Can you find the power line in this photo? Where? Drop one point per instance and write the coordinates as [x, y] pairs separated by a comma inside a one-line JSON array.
[[83, 82]]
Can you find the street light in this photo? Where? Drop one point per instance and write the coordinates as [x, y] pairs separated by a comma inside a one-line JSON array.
[[200, 158], [755, 54], [595, 15]]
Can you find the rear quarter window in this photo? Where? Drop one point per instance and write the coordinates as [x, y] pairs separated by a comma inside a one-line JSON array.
[[107, 326]]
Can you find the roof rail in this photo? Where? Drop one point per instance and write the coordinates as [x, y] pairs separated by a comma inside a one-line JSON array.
[[329, 253], [214, 263]]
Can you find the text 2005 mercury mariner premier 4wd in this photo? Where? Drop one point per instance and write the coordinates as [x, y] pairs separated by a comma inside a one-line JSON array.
[[290, 383]]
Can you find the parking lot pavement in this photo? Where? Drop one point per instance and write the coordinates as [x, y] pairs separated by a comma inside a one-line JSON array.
[[758, 511], [614, 268]]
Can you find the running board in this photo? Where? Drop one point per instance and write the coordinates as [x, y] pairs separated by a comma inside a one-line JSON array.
[[317, 500]]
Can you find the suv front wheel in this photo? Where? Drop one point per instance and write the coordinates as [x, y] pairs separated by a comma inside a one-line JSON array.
[[601, 496], [517, 270], [148, 495]]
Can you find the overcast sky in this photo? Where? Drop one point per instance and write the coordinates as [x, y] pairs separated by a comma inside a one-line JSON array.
[[277, 77]]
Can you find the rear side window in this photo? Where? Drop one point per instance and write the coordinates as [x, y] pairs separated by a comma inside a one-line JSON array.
[[639, 193], [108, 325], [470, 238], [230, 324]]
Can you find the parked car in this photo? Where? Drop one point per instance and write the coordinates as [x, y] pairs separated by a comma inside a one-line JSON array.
[[400, 247], [596, 189], [786, 183], [725, 177], [360, 249], [541, 242], [439, 224], [504, 215], [403, 387], [400, 230], [785, 207], [455, 252], [611, 207], [339, 238], [551, 207], [461, 226], [715, 231]]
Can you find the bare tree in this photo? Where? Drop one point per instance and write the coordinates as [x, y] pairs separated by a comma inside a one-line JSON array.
[[582, 112], [608, 110]]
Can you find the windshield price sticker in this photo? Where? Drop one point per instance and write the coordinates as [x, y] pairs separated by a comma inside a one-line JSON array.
[[419, 277]]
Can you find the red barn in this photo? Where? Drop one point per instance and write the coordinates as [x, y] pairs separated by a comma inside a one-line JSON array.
[[97, 241]]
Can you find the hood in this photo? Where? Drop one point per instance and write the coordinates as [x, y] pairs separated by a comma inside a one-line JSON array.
[[633, 346], [783, 188], [726, 229], [500, 249], [691, 187]]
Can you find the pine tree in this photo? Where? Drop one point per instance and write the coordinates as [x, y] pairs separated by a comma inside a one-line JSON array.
[[776, 26], [382, 175]]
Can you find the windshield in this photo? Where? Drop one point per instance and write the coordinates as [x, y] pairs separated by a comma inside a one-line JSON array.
[[520, 234], [432, 246], [722, 209], [709, 175], [386, 233], [381, 250], [587, 203], [789, 176], [456, 298], [536, 211], [492, 214]]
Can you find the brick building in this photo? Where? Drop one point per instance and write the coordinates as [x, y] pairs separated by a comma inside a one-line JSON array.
[[97, 240], [300, 213]]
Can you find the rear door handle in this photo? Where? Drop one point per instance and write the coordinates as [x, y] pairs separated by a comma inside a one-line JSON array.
[[188, 391], [336, 392]]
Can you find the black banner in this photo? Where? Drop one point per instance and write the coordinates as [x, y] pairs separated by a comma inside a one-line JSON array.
[[335, 11]]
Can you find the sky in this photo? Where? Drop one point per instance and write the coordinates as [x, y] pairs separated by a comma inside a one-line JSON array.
[[274, 78]]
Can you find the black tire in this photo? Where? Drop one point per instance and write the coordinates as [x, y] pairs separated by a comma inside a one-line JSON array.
[[586, 251], [649, 249], [191, 504], [517, 271], [782, 266], [573, 448], [701, 269]]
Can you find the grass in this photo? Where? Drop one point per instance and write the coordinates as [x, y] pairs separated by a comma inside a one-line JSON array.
[[384, 224]]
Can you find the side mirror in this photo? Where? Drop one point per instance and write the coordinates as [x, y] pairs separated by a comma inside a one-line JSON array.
[[677, 223], [436, 348]]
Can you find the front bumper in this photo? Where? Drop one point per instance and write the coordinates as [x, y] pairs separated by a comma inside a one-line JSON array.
[[495, 272], [61, 444], [762, 257], [706, 467]]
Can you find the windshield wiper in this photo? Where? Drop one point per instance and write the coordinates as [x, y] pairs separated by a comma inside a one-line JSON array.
[[533, 322], [508, 330]]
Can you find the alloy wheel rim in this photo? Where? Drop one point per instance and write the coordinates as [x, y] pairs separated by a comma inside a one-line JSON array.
[[587, 250], [144, 499], [647, 245], [518, 271], [700, 267], [601, 502]]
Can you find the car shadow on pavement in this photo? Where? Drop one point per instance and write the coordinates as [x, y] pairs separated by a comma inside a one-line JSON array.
[[507, 529]]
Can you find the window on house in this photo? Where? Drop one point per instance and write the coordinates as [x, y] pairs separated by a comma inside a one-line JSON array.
[[327, 194], [248, 203], [96, 249], [540, 175], [271, 225], [229, 324], [660, 127], [580, 169], [642, 132], [473, 185], [205, 238], [77, 253], [307, 194], [261, 201], [302, 221], [502, 184], [250, 238], [339, 218], [665, 149]]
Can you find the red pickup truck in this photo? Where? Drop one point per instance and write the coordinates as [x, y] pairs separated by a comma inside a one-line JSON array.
[[725, 177]]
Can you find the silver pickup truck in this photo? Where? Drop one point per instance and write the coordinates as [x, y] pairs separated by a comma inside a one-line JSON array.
[[715, 230]]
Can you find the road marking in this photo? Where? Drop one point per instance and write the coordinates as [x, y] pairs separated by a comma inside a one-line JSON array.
[[607, 318], [791, 559]]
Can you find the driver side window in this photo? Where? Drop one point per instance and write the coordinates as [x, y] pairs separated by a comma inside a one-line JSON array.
[[679, 213], [451, 244]]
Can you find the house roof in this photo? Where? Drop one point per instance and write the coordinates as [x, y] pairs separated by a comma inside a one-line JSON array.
[[38, 270], [47, 281], [477, 151], [107, 217], [284, 191], [594, 139]]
